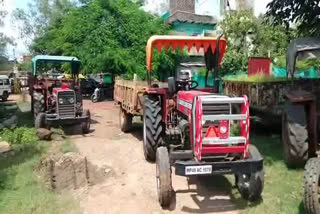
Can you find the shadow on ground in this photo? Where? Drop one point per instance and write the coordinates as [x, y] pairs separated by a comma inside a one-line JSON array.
[[210, 194], [137, 131]]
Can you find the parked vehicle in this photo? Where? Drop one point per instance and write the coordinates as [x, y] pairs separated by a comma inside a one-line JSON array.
[[5, 87], [296, 103], [56, 100], [106, 84], [190, 128], [88, 85], [96, 96]]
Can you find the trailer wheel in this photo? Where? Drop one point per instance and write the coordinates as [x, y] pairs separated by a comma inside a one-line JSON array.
[[125, 120], [294, 136], [251, 185], [163, 177], [152, 127], [40, 121], [312, 186], [38, 103], [85, 126]]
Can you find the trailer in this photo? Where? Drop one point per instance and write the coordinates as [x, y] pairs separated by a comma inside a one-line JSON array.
[[128, 94], [268, 99]]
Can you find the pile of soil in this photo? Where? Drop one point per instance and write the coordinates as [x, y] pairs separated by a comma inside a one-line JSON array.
[[71, 171]]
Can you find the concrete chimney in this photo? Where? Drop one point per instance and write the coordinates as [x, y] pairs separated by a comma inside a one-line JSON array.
[[182, 5]]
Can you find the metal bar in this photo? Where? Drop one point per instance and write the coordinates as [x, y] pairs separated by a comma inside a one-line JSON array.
[[224, 117], [221, 100], [219, 141], [222, 149]]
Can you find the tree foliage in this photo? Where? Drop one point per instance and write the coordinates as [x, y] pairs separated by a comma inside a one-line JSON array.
[[108, 36], [304, 13], [247, 36], [4, 39], [40, 15]]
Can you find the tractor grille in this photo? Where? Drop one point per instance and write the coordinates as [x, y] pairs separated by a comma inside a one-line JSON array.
[[67, 109], [213, 109]]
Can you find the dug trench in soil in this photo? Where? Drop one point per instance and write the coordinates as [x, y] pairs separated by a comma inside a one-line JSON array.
[[71, 171]]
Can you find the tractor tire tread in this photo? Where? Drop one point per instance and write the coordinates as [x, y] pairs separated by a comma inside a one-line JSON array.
[[295, 136], [311, 186], [163, 164], [154, 126]]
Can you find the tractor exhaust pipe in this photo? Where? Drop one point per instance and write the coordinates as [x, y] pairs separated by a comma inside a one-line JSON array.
[[212, 62], [217, 79]]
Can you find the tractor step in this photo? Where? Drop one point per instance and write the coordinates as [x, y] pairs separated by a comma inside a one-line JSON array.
[[181, 155]]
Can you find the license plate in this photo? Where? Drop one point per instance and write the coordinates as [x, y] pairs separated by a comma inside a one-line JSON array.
[[198, 170]]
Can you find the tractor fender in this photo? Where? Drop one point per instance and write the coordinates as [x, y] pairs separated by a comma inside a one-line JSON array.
[[163, 94]]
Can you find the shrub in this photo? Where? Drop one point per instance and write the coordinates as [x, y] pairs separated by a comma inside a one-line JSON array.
[[19, 136]]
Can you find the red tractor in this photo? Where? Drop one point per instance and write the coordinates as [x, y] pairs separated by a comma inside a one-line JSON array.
[[189, 128], [56, 98]]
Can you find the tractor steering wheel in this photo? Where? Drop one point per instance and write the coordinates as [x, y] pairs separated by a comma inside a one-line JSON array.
[[193, 84]]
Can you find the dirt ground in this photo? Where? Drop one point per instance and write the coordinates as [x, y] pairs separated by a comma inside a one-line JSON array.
[[131, 186]]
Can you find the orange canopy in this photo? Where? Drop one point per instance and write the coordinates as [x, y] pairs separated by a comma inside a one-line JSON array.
[[181, 42]]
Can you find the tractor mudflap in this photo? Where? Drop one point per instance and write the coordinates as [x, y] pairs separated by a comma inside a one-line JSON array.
[[53, 121], [194, 168]]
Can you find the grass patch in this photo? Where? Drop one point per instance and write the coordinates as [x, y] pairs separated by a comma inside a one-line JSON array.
[[21, 191], [68, 146], [19, 136], [257, 78], [283, 187]]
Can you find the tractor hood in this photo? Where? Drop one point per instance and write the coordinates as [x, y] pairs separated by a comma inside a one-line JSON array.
[[63, 88]]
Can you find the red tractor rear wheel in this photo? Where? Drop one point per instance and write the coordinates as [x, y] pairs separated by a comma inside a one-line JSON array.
[[40, 121], [251, 185], [152, 127], [312, 186], [163, 177], [38, 103]]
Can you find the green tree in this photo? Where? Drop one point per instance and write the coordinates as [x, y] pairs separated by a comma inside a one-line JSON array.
[[247, 36], [40, 15], [108, 36], [305, 14]]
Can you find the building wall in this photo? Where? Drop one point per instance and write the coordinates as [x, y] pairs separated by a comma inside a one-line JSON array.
[[215, 8], [182, 5], [245, 4], [192, 28]]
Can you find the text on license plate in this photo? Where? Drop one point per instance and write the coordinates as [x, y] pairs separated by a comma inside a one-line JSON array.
[[198, 170]]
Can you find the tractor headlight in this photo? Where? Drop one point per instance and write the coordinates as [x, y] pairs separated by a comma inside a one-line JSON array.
[[71, 100], [60, 101]]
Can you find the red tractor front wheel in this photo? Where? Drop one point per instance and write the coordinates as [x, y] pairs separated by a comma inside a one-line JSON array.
[[251, 185], [163, 177], [40, 121], [85, 126]]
